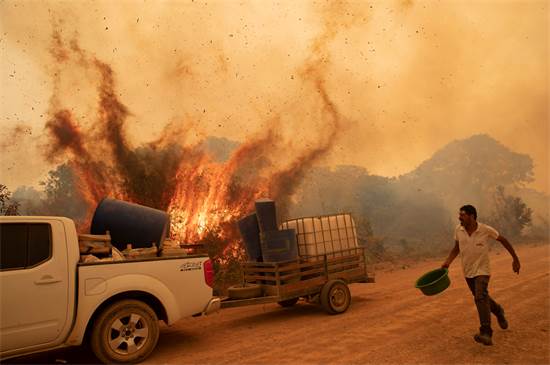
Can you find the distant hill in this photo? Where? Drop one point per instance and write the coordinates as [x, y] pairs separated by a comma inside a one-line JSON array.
[[469, 170], [419, 209]]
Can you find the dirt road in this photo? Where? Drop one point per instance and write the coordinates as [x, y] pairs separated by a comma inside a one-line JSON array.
[[389, 322]]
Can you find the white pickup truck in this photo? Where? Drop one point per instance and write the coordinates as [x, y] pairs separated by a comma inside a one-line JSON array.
[[50, 300]]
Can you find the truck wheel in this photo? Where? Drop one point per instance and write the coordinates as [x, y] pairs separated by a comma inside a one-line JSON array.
[[126, 331], [288, 302], [335, 297]]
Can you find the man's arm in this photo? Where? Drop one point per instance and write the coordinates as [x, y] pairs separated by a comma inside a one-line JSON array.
[[515, 264], [452, 256]]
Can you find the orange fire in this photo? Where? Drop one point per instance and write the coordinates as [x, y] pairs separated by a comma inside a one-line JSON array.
[[209, 195], [194, 211]]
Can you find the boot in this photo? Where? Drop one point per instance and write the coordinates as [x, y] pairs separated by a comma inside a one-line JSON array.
[[502, 322], [484, 338]]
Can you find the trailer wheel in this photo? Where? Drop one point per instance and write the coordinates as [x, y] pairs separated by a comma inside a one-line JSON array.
[[126, 331], [288, 302], [335, 297]]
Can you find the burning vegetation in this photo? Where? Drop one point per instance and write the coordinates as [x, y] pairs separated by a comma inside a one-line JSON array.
[[201, 195]]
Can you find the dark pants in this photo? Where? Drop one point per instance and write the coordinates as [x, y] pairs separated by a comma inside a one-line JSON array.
[[484, 303]]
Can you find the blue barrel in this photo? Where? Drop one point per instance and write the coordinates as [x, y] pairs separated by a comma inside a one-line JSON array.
[[279, 246], [250, 232], [130, 223], [267, 215]]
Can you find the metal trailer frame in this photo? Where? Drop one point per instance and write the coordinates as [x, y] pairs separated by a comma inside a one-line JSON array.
[[304, 277]]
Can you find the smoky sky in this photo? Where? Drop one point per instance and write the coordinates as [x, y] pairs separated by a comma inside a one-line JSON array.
[[407, 77]]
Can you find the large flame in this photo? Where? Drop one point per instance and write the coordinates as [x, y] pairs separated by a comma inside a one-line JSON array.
[[205, 197]]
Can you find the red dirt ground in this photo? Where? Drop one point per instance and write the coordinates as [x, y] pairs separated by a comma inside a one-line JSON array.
[[388, 322]]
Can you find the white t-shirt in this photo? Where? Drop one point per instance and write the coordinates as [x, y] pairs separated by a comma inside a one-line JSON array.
[[474, 249]]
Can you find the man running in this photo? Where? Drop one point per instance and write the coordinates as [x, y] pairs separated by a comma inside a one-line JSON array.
[[471, 241]]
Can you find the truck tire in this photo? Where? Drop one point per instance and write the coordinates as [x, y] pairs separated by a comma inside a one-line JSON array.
[[125, 332], [288, 302], [335, 297]]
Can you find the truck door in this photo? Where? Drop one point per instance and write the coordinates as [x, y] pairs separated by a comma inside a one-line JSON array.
[[34, 283]]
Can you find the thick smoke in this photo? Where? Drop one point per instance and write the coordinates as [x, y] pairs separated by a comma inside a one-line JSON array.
[[171, 174]]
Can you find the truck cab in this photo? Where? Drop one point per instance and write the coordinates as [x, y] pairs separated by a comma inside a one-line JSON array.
[[51, 300]]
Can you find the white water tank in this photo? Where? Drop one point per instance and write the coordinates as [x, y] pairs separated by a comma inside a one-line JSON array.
[[333, 235]]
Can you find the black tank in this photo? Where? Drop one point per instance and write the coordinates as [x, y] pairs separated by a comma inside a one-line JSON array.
[[267, 215], [250, 232], [130, 223]]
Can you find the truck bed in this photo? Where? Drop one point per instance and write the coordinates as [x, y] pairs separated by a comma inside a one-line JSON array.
[[180, 278]]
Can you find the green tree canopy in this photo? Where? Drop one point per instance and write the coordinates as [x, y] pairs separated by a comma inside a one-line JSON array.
[[8, 206]]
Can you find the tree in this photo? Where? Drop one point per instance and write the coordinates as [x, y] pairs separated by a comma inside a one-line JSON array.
[[7, 205], [511, 214], [31, 201], [62, 195], [387, 211]]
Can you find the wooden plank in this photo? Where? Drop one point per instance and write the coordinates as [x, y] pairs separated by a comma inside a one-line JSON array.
[[268, 264], [257, 264], [283, 277], [300, 266], [346, 262], [332, 260], [286, 268], [316, 272], [301, 293], [297, 284], [313, 272], [260, 269], [341, 267], [301, 286], [273, 267], [290, 277], [297, 264], [344, 266], [346, 273], [259, 277], [231, 303]]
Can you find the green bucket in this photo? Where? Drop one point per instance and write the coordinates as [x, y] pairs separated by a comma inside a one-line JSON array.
[[434, 282]]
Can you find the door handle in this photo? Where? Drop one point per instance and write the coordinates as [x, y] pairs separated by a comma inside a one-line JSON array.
[[47, 279]]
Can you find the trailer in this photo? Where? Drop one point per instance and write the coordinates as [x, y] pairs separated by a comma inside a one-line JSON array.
[[322, 279]]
